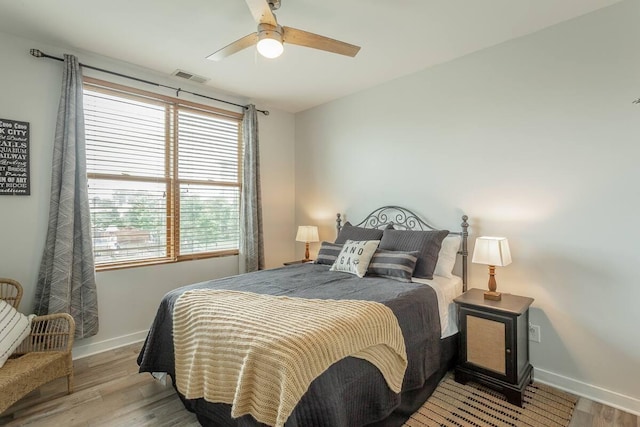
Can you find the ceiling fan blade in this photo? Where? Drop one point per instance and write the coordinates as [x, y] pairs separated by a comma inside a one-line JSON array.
[[315, 41], [236, 46], [262, 12]]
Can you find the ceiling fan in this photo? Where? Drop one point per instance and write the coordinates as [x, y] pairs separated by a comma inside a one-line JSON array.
[[270, 36]]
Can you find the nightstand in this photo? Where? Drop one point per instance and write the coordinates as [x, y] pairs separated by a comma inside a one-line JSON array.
[[494, 343], [300, 261]]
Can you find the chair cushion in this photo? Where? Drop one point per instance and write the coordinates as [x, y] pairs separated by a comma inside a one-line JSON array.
[[21, 375]]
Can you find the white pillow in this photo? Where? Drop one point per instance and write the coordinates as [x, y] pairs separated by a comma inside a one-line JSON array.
[[355, 256], [447, 256], [14, 328]]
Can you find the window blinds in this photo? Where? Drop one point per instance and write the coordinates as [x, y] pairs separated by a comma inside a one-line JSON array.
[[164, 178]]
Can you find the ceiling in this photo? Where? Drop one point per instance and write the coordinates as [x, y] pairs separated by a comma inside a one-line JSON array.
[[397, 37]]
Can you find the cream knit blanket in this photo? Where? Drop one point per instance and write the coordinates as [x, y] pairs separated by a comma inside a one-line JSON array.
[[260, 353]]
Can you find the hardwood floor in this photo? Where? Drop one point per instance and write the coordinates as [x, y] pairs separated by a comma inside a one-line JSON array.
[[589, 413], [110, 392]]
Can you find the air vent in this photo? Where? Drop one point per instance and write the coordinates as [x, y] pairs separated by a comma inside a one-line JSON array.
[[189, 76]]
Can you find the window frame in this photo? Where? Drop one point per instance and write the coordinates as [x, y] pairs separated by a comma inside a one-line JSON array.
[[171, 171]]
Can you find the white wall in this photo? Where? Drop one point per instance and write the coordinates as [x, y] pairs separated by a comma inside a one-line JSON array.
[[537, 140], [128, 298]]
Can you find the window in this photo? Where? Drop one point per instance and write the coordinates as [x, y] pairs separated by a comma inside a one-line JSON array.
[[164, 177]]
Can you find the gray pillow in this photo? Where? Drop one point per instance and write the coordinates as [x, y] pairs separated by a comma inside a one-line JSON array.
[[351, 232], [427, 243], [396, 265], [328, 253]]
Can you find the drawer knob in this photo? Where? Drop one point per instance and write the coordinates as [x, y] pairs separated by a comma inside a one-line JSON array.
[[508, 351]]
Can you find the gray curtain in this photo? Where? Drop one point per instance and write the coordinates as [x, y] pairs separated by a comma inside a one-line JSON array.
[[66, 281], [251, 238]]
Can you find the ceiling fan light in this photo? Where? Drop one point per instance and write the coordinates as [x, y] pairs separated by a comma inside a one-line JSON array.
[[270, 47]]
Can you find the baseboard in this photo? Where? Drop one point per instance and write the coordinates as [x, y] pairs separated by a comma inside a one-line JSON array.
[[85, 350], [595, 393]]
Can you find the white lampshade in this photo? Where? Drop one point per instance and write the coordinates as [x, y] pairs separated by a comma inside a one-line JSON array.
[[492, 251], [307, 233], [270, 47]]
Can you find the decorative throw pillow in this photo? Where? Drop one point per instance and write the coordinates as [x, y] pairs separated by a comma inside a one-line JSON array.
[[14, 328], [426, 242], [447, 256], [351, 232], [355, 256], [328, 253], [396, 265]]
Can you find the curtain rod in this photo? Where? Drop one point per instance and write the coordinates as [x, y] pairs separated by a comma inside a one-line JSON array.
[[39, 54]]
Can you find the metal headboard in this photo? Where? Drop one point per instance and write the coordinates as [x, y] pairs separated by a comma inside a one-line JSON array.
[[404, 219]]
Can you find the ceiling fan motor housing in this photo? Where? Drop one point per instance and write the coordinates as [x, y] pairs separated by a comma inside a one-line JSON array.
[[270, 32]]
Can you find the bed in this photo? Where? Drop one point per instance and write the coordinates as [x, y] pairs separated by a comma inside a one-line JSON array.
[[352, 391]]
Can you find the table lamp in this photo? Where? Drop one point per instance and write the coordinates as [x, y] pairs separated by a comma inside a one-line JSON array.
[[492, 251], [306, 234]]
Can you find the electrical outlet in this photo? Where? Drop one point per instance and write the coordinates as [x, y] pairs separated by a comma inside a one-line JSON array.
[[534, 333]]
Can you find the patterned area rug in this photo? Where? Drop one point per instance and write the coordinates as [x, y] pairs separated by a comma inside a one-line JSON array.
[[454, 404]]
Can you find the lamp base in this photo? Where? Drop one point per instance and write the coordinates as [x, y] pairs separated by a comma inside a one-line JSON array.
[[494, 296]]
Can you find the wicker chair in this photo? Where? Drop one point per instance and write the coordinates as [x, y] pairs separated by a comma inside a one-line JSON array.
[[44, 356], [10, 292]]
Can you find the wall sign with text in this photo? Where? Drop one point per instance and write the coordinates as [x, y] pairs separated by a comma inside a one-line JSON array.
[[14, 158]]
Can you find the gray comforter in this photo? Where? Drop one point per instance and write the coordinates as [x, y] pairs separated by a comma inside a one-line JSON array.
[[352, 392]]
